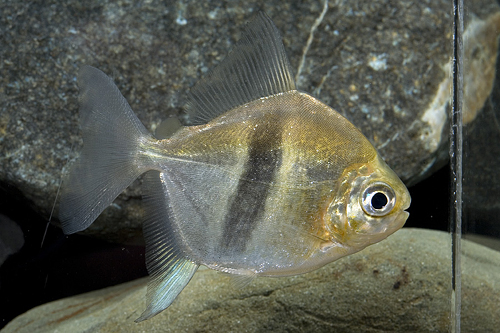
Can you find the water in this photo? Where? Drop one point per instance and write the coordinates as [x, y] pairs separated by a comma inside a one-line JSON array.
[[156, 51]]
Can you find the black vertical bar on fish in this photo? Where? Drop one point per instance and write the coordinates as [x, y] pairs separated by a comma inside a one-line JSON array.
[[249, 201]]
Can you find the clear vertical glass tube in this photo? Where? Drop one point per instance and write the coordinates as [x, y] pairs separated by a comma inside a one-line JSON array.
[[456, 151], [476, 200]]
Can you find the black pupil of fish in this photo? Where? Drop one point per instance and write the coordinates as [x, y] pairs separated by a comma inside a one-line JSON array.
[[379, 200]]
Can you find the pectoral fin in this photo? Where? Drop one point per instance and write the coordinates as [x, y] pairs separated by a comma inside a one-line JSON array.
[[240, 281]]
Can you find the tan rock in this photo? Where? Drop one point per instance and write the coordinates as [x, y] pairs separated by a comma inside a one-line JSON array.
[[480, 48], [402, 284]]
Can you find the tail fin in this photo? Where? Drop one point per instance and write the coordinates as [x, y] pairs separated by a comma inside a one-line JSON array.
[[108, 163]]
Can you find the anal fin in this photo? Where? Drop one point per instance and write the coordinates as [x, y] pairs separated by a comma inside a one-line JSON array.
[[168, 265], [164, 288]]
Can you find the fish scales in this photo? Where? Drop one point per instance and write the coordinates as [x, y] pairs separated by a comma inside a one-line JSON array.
[[268, 181], [284, 184]]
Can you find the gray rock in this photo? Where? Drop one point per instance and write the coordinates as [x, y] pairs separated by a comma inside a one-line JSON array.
[[383, 64], [402, 284], [481, 162]]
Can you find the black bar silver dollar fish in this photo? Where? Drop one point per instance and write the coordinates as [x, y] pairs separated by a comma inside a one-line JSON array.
[[268, 181]]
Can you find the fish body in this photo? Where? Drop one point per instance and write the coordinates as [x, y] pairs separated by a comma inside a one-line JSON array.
[[268, 171], [268, 182]]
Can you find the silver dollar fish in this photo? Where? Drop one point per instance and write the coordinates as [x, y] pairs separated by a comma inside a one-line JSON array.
[[268, 182]]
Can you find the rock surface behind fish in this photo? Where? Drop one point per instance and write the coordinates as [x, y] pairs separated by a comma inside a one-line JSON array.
[[402, 284], [383, 65]]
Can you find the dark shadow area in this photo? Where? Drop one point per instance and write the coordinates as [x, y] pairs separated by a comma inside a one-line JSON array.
[[430, 202], [62, 267]]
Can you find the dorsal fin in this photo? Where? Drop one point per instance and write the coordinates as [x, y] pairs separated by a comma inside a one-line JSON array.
[[256, 67]]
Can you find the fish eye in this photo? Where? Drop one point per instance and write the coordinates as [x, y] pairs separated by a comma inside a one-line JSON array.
[[378, 199]]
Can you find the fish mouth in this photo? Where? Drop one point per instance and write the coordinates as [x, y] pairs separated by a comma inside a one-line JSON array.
[[402, 218], [406, 206], [404, 215], [399, 221]]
